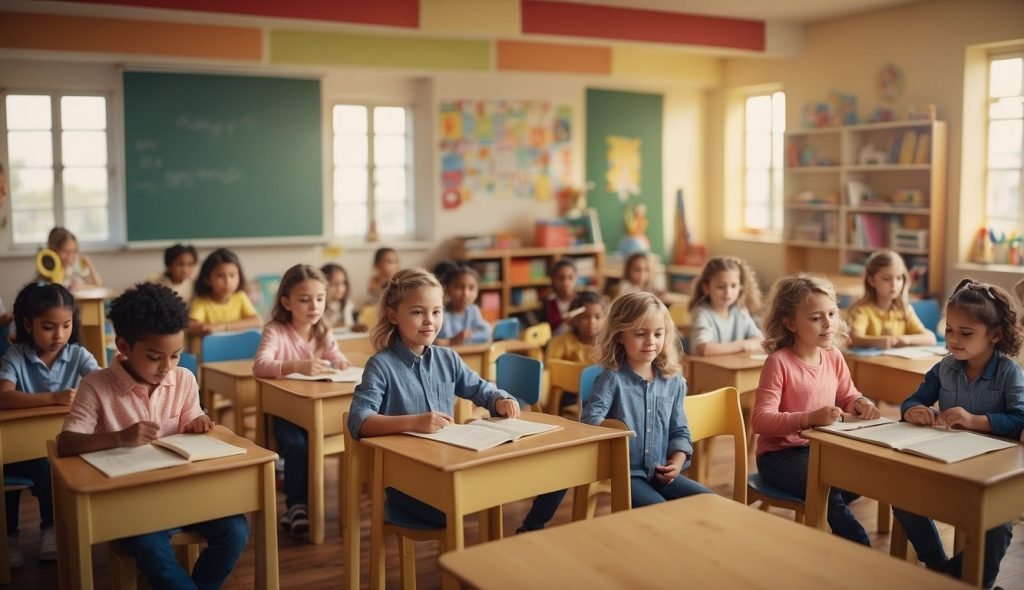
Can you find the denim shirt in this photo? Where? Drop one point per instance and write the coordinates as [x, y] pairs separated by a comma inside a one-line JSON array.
[[998, 393], [22, 366], [397, 382], [472, 319], [651, 409]]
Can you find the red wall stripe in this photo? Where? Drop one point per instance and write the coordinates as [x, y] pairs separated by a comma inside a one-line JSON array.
[[393, 13], [607, 22]]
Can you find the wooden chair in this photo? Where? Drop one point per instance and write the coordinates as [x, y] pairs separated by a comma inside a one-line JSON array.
[[760, 491], [124, 574], [564, 377], [538, 334], [367, 316], [718, 413]]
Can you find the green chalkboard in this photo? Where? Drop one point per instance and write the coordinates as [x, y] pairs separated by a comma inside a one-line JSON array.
[[211, 156]]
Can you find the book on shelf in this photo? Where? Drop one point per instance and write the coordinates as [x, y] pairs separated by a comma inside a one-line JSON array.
[[930, 442], [908, 148], [480, 435], [349, 375], [169, 451], [921, 156]]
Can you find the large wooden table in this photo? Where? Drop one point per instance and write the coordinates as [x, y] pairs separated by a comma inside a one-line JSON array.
[[888, 378], [316, 406], [94, 319], [232, 380], [23, 436], [973, 495], [703, 541], [459, 482], [91, 508]]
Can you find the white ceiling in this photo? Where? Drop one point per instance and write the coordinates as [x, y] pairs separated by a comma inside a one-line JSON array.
[[796, 11]]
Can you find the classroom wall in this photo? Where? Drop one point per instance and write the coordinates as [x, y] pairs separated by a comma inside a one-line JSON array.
[[928, 40]]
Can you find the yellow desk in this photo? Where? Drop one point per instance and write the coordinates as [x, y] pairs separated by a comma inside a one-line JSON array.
[[232, 380], [91, 508], [316, 406], [355, 346], [23, 436], [703, 541], [459, 482], [973, 495], [888, 378], [94, 320]]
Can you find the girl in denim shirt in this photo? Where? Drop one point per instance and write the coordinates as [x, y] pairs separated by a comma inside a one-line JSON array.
[[643, 386], [979, 387]]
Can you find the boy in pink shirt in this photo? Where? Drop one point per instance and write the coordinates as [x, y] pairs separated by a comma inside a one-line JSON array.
[[143, 396]]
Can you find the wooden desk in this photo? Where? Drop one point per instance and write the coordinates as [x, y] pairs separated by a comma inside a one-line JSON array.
[[232, 380], [23, 436], [973, 495], [316, 406], [94, 319], [91, 508], [703, 541], [459, 482], [355, 346], [888, 378]]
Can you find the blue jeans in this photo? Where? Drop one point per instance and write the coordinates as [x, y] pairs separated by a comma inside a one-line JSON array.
[[225, 538], [293, 446], [787, 470], [645, 492], [923, 535], [38, 470], [543, 509]]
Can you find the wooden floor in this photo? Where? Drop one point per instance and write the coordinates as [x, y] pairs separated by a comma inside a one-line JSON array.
[[311, 567]]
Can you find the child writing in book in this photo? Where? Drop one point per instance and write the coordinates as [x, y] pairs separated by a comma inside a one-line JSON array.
[[142, 396], [883, 318], [804, 382], [410, 384], [585, 319], [297, 339], [385, 264], [42, 368], [79, 271], [179, 267], [220, 303], [339, 313], [563, 293], [643, 386], [978, 387], [463, 321], [723, 298]]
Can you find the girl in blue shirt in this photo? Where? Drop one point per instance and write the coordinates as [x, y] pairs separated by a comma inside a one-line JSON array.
[[978, 387], [42, 368], [643, 386], [463, 321]]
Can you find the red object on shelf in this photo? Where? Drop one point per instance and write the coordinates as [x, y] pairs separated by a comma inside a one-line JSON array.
[[551, 234]]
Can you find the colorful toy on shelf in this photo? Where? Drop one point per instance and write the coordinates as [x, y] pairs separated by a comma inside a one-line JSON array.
[[981, 248], [636, 222], [882, 114], [817, 115], [844, 108], [909, 197], [869, 154], [922, 112]]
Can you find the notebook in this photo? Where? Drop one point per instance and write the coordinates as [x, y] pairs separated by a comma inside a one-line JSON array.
[[931, 442], [177, 449], [480, 435], [349, 375], [916, 352]]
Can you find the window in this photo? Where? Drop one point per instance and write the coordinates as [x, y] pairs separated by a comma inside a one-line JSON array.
[[372, 170], [59, 160], [1003, 162], [765, 123]]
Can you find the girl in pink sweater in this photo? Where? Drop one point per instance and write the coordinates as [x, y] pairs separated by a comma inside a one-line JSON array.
[[297, 339], [805, 382]]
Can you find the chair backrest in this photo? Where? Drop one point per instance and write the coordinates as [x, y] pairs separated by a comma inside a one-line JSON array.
[[587, 378], [190, 362], [520, 376], [230, 346], [368, 316], [506, 329], [680, 314], [716, 413], [538, 334], [565, 375], [489, 368], [930, 313], [262, 290]]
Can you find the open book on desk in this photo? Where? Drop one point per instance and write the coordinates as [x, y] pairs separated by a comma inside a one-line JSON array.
[[349, 375], [480, 435], [907, 352], [931, 442], [177, 449]]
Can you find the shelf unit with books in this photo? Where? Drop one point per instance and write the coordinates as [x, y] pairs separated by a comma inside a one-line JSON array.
[[853, 190]]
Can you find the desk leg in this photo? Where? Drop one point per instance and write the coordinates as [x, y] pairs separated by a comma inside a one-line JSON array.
[[817, 492], [377, 573], [491, 527], [5, 562], [621, 495], [316, 475], [455, 534], [261, 420], [974, 552], [349, 502], [80, 553], [580, 502], [265, 525]]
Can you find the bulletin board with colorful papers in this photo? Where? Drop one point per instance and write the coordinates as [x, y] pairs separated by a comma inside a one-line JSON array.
[[503, 149]]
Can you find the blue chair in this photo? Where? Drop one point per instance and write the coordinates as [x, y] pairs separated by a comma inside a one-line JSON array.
[[226, 346], [930, 313], [768, 495], [587, 378], [506, 329], [520, 376], [189, 361]]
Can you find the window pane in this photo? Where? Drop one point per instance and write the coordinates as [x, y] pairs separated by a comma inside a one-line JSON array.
[[32, 227], [759, 113], [757, 218], [1004, 143], [84, 148], [350, 150], [758, 186], [349, 118], [778, 150], [31, 188], [28, 112], [390, 185], [779, 112], [85, 187], [350, 220], [1004, 193], [391, 219], [83, 112], [389, 121], [759, 150], [350, 185], [30, 148], [89, 224], [1007, 108], [389, 150], [1005, 77]]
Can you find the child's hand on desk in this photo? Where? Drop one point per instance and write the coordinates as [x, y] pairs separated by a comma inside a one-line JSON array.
[[508, 408], [199, 425], [920, 415], [888, 342], [208, 329], [138, 434], [342, 364], [863, 408], [959, 417], [431, 422], [64, 398], [459, 338], [314, 367], [752, 345], [823, 416]]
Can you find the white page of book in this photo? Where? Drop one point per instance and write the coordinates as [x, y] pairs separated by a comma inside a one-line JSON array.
[[468, 436], [518, 427], [199, 446], [127, 460], [913, 352], [896, 435], [956, 446], [854, 423], [349, 375]]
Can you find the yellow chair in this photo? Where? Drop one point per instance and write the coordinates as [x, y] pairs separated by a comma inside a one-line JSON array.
[[718, 413], [680, 313], [124, 573], [564, 378], [539, 334], [367, 316]]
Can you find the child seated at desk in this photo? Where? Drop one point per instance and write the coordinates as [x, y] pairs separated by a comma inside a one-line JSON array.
[[978, 387], [339, 312], [883, 318], [723, 298], [563, 292], [142, 396], [463, 321], [42, 368], [297, 339], [79, 271], [584, 318], [385, 264], [179, 265], [221, 304]]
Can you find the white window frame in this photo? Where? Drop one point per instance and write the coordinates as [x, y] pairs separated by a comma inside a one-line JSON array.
[[371, 202], [775, 173], [1017, 221], [115, 185]]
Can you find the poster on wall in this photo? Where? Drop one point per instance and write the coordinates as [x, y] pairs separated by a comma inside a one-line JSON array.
[[623, 176], [504, 149]]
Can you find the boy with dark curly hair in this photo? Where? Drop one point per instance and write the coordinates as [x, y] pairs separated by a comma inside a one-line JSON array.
[[142, 396]]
